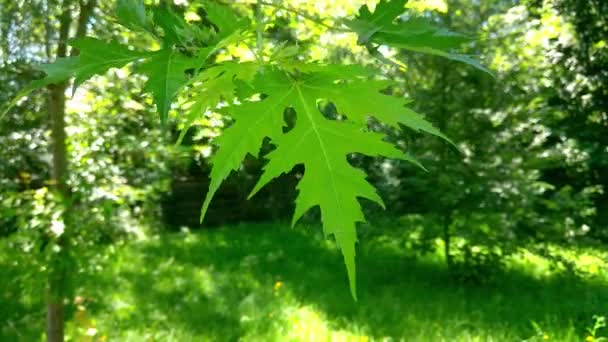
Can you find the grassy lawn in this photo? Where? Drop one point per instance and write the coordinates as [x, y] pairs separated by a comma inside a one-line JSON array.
[[271, 283]]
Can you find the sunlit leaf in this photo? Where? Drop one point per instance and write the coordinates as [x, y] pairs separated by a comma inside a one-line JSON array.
[[224, 18], [166, 71], [322, 145], [172, 25], [414, 34], [97, 57], [133, 14], [61, 70], [214, 85]]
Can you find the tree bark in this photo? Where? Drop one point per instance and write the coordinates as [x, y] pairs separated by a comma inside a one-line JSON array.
[[58, 272], [55, 292]]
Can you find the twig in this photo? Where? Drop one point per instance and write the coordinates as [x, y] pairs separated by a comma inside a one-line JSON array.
[[373, 50], [301, 14], [259, 56], [260, 27]]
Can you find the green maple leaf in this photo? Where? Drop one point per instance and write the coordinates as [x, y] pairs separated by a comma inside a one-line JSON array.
[[225, 20], [59, 71], [133, 14], [214, 85], [172, 24], [166, 71], [367, 23], [97, 57], [228, 28], [414, 34], [253, 123], [320, 144]]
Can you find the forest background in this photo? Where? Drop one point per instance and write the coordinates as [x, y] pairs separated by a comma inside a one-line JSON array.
[[505, 239]]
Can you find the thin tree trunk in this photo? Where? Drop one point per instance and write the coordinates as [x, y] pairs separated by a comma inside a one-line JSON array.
[[55, 292], [443, 125], [447, 240], [58, 272], [446, 216], [5, 32]]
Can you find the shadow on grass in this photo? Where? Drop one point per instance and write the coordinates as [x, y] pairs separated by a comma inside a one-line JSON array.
[[226, 283], [264, 282], [19, 309]]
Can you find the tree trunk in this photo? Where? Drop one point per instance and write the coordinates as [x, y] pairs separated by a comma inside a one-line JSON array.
[[55, 293], [54, 321], [447, 240], [58, 271]]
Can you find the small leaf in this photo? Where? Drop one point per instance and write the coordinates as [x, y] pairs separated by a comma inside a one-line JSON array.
[[166, 71], [472, 62], [97, 57], [213, 85], [132, 14], [367, 23], [385, 13], [61, 70], [172, 25], [230, 29], [252, 124], [414, 34], [224, 18]]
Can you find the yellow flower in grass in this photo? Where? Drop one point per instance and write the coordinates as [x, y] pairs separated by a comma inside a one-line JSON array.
[[590, 339], [545, 337], [278, 285]]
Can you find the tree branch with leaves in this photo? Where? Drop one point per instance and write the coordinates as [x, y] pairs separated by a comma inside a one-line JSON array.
[[256, 95]]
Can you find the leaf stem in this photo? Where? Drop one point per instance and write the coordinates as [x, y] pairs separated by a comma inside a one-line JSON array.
[[373, 51], [259, 50], [260, 27], [302, 14]]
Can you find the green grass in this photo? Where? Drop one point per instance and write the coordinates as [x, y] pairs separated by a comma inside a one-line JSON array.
[[271, 283]]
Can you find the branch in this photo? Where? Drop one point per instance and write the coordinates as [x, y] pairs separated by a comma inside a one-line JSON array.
[[65, 21], [302, 14], [373, 51], [86, 11], [260, 26]]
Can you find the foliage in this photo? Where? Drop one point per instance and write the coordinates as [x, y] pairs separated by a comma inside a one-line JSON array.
[[581, 87], [283, 82], [561, 154], [520, 171], [415, 34]]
